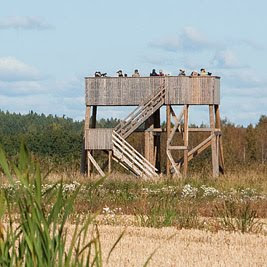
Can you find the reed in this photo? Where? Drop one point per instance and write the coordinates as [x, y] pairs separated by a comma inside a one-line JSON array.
[[39, 235]]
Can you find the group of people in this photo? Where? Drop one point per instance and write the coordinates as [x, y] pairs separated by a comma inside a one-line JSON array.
[[136, 73], [203, 72]]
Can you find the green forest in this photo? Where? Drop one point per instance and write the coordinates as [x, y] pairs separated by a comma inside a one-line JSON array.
[[57, 141]]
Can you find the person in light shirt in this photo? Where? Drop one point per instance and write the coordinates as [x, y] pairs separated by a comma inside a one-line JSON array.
[[136, 73]]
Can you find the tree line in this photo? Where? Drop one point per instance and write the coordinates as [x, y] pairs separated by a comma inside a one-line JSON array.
[[59, 140]]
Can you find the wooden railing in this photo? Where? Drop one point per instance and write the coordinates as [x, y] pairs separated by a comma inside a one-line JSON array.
[[141, 113], [131, 158]]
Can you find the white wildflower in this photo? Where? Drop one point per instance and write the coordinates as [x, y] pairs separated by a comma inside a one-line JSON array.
[[189, 191]]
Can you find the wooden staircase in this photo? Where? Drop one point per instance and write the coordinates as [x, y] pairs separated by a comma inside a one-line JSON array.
[[141, 113], [130, 158], [123, 152]]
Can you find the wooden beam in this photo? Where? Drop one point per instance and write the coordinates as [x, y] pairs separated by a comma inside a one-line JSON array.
[[93, 125], [203, 130], [168, 132], [86, 127], [220, 146], [169, 139], [83, 166], [169, 155], [214, 150], [196, 151], [156, 117], [109, 161], [96, 165], [84, 161], [199, 148], [177, 147], [89, 166], [180, 116], [154, 130], [186, 139], [87, 118], [176, 125]]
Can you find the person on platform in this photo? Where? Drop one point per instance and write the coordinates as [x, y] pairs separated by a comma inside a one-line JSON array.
[[120, 74], [161, 73], [153, 73], [203, 72], [99, 74], [181, 72], [194, 73], [136, 73]]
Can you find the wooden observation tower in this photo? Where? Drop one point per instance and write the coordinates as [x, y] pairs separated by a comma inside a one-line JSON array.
[[150, 94]]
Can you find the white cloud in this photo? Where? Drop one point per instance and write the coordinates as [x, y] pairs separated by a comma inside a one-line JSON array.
[[226, 59], [242, 78], [12, 69], [190, 39], [252, 44], [193, 39], [21, 88], [70, 87], [24, 22]]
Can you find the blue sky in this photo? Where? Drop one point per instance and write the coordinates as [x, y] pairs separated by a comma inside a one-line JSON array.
[[47, 47]]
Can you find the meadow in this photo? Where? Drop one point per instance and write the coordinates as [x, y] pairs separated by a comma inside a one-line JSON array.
[[66, 219]]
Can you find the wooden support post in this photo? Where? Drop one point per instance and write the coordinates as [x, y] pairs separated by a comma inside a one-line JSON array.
[[157, 141], [89, 166], [92, 125], [149, 140], [96, 165], [186, 139], [219, 146], [84, 160], [87, 118], [168, 132], [109, 161], [214, 149], [94, 117]]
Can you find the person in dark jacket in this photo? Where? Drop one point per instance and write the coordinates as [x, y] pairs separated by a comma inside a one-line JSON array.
[[99, 74], [153, 73], [120, 74]]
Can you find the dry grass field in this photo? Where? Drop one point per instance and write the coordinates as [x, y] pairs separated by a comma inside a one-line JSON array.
[[181, 247], [194, 221]]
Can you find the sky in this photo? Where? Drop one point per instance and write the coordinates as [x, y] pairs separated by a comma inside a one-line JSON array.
[[48, 47]]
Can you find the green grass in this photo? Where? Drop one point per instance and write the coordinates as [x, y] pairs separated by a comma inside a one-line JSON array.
[[39, 235], [181, 203]]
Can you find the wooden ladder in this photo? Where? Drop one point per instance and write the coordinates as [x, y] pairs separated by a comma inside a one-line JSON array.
[[130, 158], [141, 113]]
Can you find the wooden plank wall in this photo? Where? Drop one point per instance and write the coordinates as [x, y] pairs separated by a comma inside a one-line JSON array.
[[192, 90], [98, 138], [113, 91]]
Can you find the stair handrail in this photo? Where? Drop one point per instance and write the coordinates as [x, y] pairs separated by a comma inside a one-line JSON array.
[[143, 161], [125, 132], [132, 149], [142, 106]]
